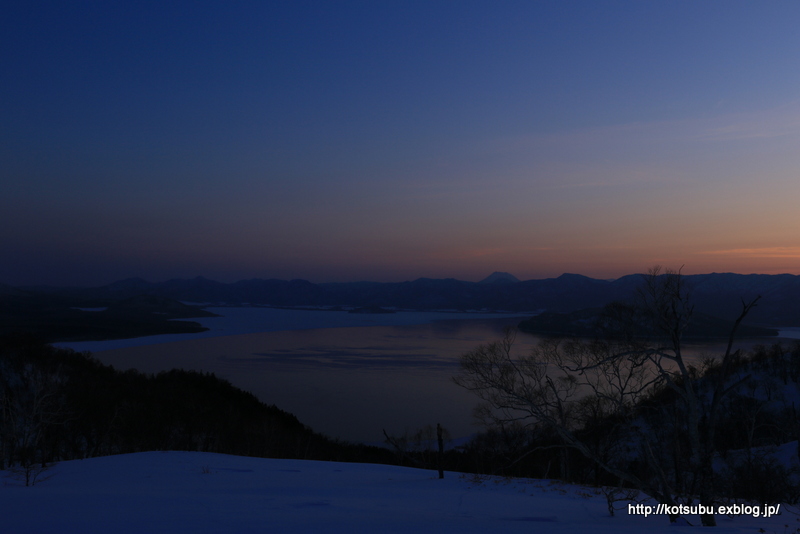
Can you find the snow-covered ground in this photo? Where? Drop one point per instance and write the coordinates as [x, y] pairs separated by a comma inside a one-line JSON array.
[[175, 492]]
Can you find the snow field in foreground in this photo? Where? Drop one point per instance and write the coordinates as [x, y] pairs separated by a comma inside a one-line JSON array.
[[174, 492]]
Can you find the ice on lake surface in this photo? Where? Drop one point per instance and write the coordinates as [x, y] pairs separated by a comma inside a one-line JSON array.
[[248, 320], [346, 375]]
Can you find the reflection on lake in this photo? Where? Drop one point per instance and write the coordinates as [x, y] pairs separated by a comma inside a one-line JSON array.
[[352, 382]]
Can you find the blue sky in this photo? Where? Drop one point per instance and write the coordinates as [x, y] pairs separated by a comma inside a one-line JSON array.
[[340, 141]]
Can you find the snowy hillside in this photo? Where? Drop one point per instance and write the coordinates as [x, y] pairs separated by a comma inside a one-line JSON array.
[[174, 492]]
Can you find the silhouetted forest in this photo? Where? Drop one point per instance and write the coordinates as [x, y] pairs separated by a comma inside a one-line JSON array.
[[759, 421], [58, 405]]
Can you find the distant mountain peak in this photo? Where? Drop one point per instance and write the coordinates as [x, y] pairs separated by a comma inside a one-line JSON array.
[[498, 277]]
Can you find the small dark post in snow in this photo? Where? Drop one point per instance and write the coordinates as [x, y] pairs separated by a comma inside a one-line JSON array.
[[440, 456], [796, 429]]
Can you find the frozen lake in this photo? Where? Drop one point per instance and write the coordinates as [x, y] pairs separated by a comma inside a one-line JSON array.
[[249, 320], [346, 375]]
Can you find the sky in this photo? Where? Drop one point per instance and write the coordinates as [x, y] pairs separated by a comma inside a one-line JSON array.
[[387, 141]]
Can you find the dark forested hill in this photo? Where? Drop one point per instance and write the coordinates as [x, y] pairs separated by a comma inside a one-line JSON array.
[[59, 405], [53, 316]]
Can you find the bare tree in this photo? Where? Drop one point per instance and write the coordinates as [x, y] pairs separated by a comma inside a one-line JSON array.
[[31, 405], [565, 385], [665, 299]]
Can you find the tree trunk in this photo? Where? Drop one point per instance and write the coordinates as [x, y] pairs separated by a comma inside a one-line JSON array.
[[440, 455]]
